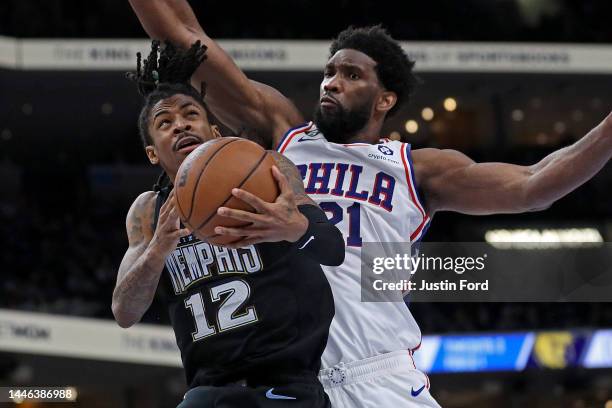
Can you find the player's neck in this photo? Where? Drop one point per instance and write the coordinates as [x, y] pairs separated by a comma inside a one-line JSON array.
[[171, 175], [369, 134]]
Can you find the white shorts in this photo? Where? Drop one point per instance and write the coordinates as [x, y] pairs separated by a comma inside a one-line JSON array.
[[387, 381]]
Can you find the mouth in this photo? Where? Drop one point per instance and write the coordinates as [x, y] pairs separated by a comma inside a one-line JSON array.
[[187, 143], [328, 102]]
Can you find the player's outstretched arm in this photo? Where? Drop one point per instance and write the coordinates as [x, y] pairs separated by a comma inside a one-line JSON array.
[[453, 182], [143, 262], [243, 105]]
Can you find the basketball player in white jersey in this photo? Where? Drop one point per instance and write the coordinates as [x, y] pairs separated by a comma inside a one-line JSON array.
[[376, 191]]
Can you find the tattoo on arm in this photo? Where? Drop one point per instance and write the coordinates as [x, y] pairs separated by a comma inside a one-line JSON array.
[[138, 277], [294, 177], [134, 224]]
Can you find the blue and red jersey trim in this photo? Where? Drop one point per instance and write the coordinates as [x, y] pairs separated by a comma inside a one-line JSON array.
[[290, 134], [419, 232]]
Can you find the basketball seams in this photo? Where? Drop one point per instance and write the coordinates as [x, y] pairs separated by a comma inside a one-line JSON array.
[[195, 189], [230, 196], [178, 206]]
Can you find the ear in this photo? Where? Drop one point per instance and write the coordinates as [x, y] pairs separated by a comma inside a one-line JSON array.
[[152, 154], [215, 131], [386, 101]]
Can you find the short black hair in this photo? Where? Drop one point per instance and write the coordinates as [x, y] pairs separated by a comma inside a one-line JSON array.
[[393, 66], [167, 71]]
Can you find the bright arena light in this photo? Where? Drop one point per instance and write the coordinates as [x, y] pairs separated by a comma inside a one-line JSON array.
[[518, 115], [427, 113], [552, 238], [395, 135], [450, 104], [412, 126]]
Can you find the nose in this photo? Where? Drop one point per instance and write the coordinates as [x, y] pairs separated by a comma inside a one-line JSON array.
[[181, 126], [332, 85]]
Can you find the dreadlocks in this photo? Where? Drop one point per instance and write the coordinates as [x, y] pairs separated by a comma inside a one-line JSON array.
[[172, 65], [166, 72]]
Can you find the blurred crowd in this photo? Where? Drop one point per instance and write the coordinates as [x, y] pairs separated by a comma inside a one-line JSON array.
[[468, 20], [58, 263]]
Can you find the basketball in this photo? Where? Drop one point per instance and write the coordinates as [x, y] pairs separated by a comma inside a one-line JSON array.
[[205, 180]]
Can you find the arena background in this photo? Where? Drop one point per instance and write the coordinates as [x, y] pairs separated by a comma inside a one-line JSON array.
[[507, 80]]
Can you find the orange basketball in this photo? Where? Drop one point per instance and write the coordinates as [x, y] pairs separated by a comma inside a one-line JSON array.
[[205, 180]]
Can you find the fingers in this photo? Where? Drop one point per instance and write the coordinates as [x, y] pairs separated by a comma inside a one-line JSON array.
[[168, 207], [173, 214], [170, 219], [239, 215], [183, 232], [170, 201], [257, 203], [237, 232], [282, 181]]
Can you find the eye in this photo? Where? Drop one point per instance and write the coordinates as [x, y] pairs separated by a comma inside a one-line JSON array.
[[193, 113], [354, 76], [327, 73], [162, 123]]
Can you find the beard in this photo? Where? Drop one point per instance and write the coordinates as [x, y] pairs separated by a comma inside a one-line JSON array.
[[340, 125]]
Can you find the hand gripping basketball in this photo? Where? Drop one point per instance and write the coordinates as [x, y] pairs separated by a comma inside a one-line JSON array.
[[277, 221], [168, 229], [205, 180]]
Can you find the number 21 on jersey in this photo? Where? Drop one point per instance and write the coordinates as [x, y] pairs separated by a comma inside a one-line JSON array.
[[335, 214]]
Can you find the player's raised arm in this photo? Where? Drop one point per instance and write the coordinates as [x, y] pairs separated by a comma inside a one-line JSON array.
[[452, 181], [143, 262], [245, 106]]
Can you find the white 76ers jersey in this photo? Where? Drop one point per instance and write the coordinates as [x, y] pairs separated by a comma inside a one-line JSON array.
[[368, 192]]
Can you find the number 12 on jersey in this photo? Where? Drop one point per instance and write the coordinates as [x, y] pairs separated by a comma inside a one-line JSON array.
[[336, 214], [236, 294]]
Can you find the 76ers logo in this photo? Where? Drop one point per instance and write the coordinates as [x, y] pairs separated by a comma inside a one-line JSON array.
[[385, 150]]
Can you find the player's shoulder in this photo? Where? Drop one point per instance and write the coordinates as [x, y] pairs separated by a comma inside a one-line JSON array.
[[437, 157], [144, 200], [425, 154], [143, 210], [431, 162]]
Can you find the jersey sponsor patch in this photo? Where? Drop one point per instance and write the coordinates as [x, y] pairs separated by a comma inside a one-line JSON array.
[[386, 150]]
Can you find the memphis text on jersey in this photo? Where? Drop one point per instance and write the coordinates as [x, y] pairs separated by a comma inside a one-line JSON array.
[[195, 261]]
